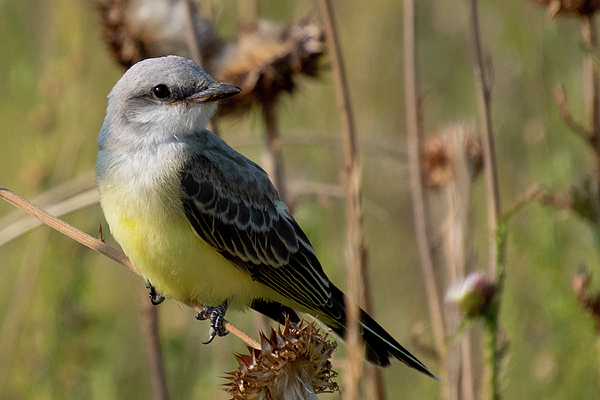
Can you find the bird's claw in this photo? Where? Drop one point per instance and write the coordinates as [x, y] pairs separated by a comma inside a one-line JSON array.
[[216, 316], [155, 297]]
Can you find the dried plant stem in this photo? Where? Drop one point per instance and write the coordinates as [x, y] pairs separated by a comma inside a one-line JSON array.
[[589, 34], [484, 101], [560, 98], [497, 247], [420, 203], [273, 140], [192, 35], [156, 366], [356, 251], [66, 206], [458, 357], [96, 245]]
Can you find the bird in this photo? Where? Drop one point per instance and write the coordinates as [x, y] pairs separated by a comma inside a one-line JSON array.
[[202, 223]]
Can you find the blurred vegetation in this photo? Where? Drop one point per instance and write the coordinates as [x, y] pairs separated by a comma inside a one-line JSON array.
[[79, 337]]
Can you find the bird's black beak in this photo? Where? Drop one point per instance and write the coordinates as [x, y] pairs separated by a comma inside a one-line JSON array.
[[216, 91]]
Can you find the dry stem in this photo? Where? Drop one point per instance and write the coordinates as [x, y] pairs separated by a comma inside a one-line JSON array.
[[356, 251], [484, 97], [96, 245], [156, 365], [497, 247], [421, 218]]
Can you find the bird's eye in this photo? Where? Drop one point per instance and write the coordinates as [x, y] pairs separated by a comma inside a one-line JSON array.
[[161, 91]]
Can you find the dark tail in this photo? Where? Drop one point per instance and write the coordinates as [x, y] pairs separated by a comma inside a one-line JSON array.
[[379, 345]]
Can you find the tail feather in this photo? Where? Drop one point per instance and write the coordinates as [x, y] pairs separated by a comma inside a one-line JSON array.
[[380, 346]]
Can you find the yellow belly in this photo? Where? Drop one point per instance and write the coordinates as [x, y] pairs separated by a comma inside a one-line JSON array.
[[164, 247]]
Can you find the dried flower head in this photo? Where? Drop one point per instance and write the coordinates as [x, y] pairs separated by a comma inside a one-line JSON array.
[[293, 364], [435, 162], [473, 296], [265, 60], [557, 8], [140, 29], [440, 154]]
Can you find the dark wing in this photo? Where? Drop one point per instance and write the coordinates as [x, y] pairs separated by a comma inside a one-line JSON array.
[[235, 209]]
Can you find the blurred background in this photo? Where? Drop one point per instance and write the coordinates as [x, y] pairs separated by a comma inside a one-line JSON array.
[[70, 318]]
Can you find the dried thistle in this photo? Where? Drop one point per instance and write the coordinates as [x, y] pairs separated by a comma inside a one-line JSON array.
[[437, 157], [140, 29], [292, 364], [264, 60], [558, 8]]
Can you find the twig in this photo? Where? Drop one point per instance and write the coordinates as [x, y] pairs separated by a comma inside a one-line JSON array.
[[560, 98], [484, 97], [96, 245], [356, 250], [273, 140], [66, 206], [66, 229], [589, 34], [54, 195], [497, 247], [192, 35], [420, 203], [156, 365]]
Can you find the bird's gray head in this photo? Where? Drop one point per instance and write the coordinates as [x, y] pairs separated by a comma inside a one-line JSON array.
[[159, 99]]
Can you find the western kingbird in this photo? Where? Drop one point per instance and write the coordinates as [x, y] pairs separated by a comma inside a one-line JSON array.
[[201, 222]]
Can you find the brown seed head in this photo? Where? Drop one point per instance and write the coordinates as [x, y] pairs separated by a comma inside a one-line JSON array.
[[293, 362]]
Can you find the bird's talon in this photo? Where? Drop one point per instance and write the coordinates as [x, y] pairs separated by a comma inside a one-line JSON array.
[[155, 297], [216, 316], [203, 314], [212, 333]]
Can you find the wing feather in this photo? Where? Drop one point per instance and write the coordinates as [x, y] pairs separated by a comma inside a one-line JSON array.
[[251, 227]]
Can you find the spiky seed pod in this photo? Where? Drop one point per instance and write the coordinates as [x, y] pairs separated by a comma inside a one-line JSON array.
[[438, 154], [293, 364], [125, 48], [140, 29], [266, 59], [558, 8]]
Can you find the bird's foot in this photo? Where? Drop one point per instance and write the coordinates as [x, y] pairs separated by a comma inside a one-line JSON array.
[[155, 297], [217, 316]]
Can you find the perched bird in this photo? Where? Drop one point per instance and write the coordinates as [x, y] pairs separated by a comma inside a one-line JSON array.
[[201, 222]]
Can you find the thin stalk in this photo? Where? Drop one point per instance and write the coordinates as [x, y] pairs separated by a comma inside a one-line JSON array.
[[356, 250], [273, 140], [484, 101], [497, 246], [97, 245], [156, 365], [419, 198], [589, 34], [192, 35]]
